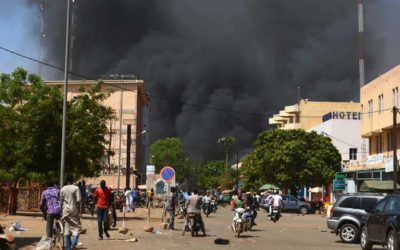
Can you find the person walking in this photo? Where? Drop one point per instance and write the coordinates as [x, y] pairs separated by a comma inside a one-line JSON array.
[[171, 204], [70, 203], [103, 195], [135, 198], [82, 189], [50, 205]]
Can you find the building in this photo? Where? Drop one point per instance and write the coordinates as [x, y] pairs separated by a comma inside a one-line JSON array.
[[134, 100], [377, 100], [307, 114]]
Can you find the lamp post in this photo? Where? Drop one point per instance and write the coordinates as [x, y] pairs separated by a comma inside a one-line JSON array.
[[64, 119]]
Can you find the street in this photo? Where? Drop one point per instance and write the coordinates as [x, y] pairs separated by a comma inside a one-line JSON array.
[[292, 231]]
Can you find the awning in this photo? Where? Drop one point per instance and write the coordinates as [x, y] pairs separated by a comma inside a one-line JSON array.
[[377, 186], [268, 186], [316, 190], [142, 187]]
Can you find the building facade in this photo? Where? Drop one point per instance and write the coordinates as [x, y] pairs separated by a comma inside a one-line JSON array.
[[307, 114], [130, 97], [377, 100]]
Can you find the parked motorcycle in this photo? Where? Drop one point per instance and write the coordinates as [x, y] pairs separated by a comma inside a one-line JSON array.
[[238, 223], [194, 224], [6, 241], [276, 214]]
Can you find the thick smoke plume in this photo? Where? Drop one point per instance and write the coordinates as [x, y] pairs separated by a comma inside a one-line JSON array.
[[246, 55]]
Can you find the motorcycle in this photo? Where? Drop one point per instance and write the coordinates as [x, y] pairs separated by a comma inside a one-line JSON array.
[[249, 217], [90, 203], [276, 214], [206, 209], [6, 241], [214, 206], [238, 223], [194, 224]]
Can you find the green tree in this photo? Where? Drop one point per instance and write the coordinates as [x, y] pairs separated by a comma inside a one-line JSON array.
[[169, 152], [291, 157], [227, 142], [212, 172], [30, 131]]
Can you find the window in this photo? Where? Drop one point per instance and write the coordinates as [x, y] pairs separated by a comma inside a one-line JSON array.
[[392, 204], [368, 203], [348, 202], [380, 103], [381, 205], [379, 144], [352, 153], [370, 108], [395, 97], [389, 141]]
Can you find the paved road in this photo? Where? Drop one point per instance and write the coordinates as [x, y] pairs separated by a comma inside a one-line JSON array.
[[293, 231]]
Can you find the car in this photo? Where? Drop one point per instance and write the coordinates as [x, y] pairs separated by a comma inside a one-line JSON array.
[[382, 224], [291, 203], [347, 213]]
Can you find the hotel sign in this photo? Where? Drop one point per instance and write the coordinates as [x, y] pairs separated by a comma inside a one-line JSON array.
[[341, 115]]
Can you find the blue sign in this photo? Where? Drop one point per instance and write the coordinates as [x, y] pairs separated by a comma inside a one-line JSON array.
[[341, 116], [167, 174], [339, 185]]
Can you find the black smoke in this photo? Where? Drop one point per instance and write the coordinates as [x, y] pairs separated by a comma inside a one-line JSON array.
[[245, 55]]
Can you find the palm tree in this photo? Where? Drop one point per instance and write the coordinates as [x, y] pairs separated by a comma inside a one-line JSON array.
[[227, 142]]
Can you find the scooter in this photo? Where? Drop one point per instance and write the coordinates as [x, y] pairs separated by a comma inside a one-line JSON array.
[[238, 223], [249, 219], [276, 214], [6, 241], [214, 206]]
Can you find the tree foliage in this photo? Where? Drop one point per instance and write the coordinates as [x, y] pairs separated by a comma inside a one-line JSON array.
[[169, 152], [30, 129], [212, 172], [291, 157]]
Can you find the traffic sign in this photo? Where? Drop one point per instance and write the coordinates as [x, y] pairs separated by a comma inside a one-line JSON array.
[[340, 176], [339, 185], [167, 174]]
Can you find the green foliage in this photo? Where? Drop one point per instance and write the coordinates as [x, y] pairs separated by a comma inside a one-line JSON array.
[[30, 129], [169, 152], [286, 157], [212, 173]]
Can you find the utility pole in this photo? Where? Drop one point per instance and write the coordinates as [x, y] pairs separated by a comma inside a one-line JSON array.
[[128, 157], [394, 139], [237, 171], [64, 119]]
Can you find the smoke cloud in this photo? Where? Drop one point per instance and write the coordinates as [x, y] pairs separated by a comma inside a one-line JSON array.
[[245, 55]]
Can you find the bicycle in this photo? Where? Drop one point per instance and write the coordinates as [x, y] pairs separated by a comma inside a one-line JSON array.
[[58, 234]]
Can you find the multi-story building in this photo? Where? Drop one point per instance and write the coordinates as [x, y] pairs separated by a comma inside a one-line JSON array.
[[307, 114], [130, 97], [377, 100]]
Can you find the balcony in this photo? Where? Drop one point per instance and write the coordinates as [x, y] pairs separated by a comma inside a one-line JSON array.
[[292, 126]]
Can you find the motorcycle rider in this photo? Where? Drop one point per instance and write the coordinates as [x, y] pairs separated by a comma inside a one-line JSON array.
[[193, 205], [277, 202], [206, 201]]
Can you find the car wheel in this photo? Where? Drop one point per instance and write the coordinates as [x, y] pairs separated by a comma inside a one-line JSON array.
[[365, 243], [348, 233], [303, 210], [391, 241]]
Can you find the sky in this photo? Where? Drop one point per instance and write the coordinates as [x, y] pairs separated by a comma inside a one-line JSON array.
[[242, 55]]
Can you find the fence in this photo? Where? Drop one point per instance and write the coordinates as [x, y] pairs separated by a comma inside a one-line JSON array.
[[28, 199]]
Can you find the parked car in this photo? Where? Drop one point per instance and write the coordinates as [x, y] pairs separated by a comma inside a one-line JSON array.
[[382, 225], [291, 203], [347, 213]]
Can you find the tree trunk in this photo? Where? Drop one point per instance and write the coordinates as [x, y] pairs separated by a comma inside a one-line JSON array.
[[12, 198]]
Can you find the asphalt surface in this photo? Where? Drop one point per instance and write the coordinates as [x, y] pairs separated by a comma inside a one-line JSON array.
[[292, 231]]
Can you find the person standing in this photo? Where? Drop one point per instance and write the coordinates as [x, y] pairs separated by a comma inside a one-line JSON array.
[[135, 197], [102, 194], [70, 203], [171, 202], [82, 189], [113, 208], [128, 199], [50, 204], [150, 198]]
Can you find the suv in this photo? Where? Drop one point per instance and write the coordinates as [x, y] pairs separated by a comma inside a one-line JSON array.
[[382, 225], [347, 213], [292, 203]]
